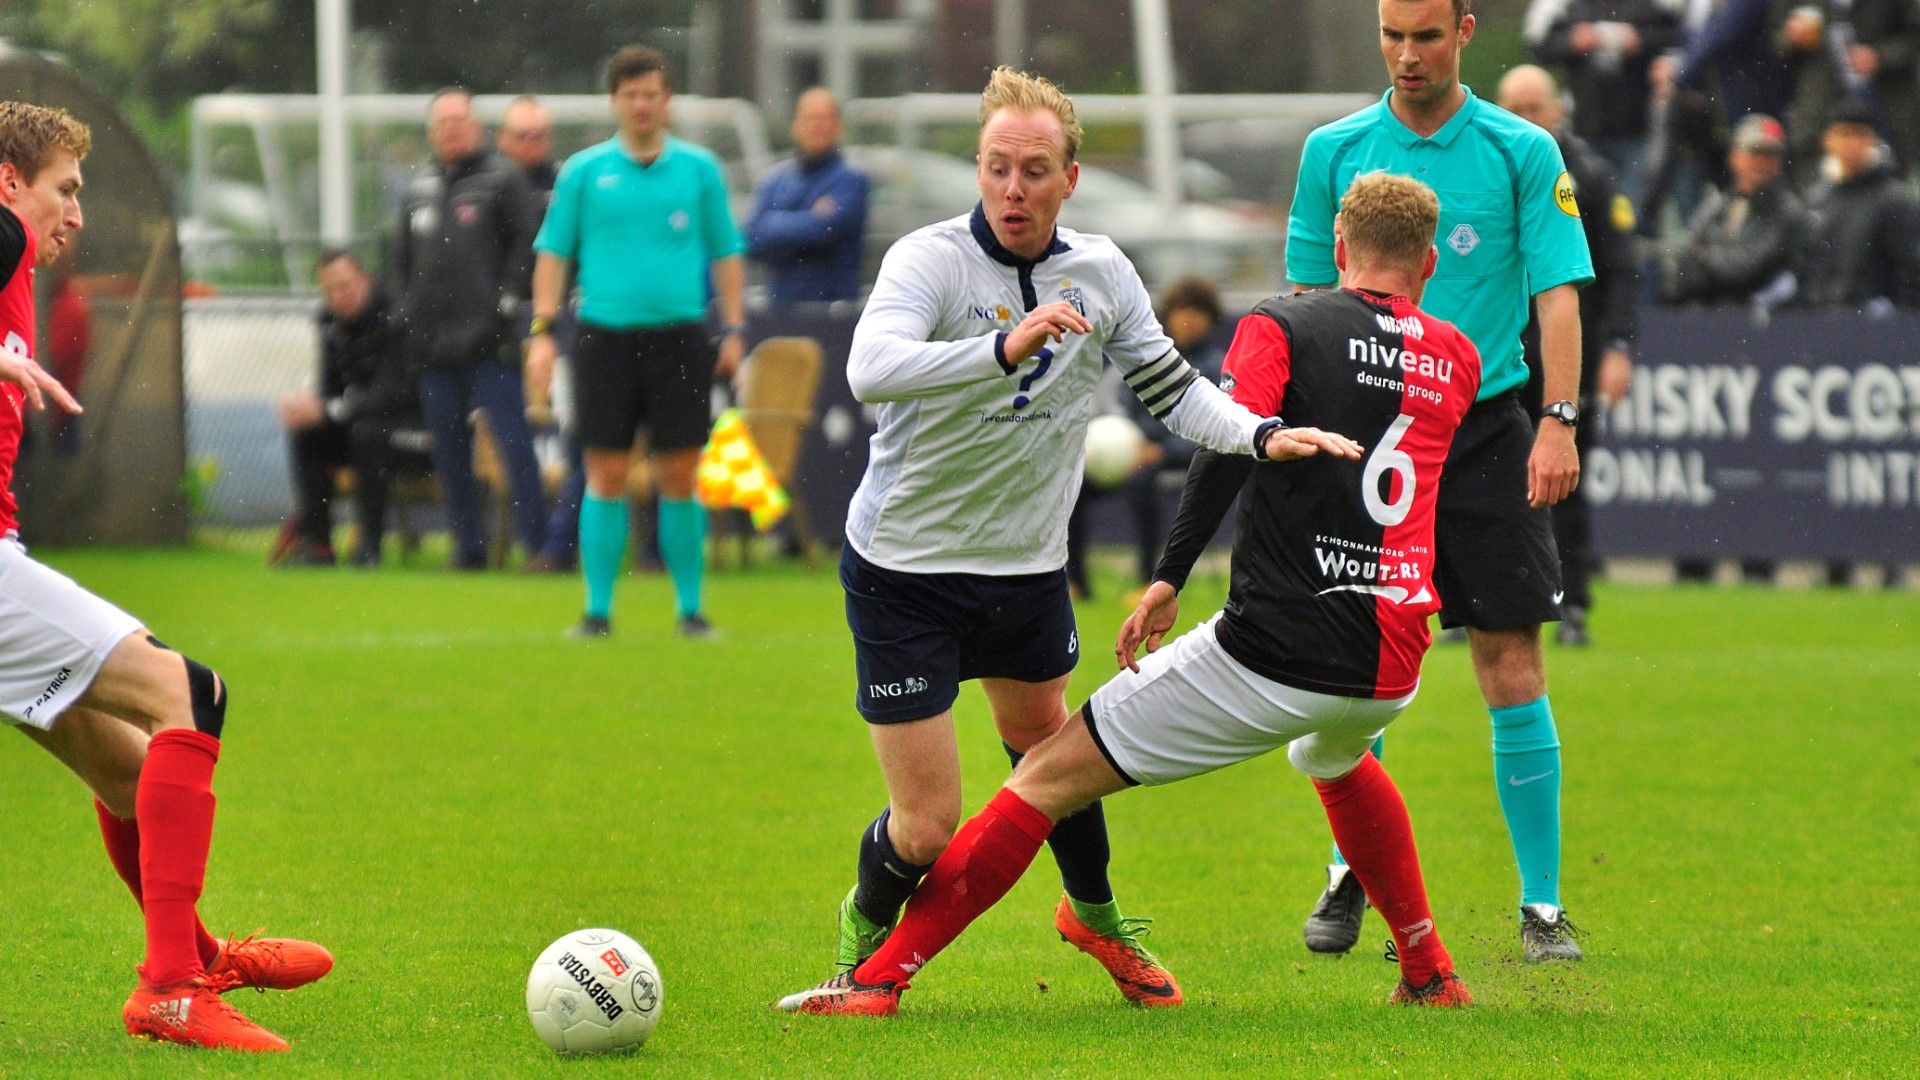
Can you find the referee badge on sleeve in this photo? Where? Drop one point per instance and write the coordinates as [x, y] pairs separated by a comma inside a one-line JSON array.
[[1563, 195]]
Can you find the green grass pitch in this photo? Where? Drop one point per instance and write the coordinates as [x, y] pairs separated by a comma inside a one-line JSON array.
[[420, 773]]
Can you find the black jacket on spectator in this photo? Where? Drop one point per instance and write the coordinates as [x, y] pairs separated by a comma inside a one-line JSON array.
[[463, 260], [1610, 99], [1736, 44], [364, 374], [1863, 242], [1724, 265], [1608, 313]]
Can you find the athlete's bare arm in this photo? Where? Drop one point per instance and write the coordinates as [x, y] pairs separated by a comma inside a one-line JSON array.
[[1554, 466], [549, 281]]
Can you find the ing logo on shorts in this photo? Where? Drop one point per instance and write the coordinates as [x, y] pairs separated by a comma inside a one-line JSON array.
[[912, 684]]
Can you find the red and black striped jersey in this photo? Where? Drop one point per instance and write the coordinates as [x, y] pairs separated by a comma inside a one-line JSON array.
[[1332, 577], [18, 246]]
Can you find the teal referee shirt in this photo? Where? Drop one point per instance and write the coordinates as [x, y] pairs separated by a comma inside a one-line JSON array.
[[1509, 228], [641, 237]]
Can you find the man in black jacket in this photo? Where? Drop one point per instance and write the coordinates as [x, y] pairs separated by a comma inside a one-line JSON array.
[[1608, 320], [366, 414], [1740, 243], [462, 265], [1605, 49], [1863, 245]]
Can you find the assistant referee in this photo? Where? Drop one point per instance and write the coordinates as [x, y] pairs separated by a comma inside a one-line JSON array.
[[642, 221]]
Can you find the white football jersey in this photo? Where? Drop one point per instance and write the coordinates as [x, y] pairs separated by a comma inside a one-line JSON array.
[[974, 469]]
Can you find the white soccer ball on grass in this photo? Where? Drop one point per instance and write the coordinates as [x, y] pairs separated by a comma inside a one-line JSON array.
[[594, 992], [1114, 444]]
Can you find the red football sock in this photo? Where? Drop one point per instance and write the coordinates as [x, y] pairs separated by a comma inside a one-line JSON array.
[[987, 856], [1370, 824], [123, 850], [174, 808]]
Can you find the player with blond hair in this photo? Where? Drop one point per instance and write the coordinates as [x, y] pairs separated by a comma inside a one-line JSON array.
[[980, 346], [1319, 646], [139, 723]]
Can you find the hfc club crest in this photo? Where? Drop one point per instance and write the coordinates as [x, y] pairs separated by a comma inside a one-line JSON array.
[[1071, 294]]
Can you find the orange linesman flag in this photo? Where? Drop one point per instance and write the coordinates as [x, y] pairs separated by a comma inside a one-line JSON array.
[[734, 475]]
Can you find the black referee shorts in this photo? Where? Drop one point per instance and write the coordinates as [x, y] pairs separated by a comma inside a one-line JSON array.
[[1496, 567], [917, 637], [659, 379]]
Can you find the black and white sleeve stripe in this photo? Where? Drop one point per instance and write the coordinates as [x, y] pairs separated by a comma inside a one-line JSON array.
[[1160, 384]]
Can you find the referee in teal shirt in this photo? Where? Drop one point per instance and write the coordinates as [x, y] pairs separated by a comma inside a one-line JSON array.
[[1509, 233], [643, 224]]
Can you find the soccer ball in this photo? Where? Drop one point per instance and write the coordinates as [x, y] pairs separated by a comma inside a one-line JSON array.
[[594, 992], [1113, 450]]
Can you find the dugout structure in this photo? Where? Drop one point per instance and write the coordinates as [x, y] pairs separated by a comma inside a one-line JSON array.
[[109, 322]]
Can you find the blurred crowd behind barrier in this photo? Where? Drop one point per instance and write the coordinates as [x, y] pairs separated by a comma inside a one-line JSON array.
[[1794, 438]]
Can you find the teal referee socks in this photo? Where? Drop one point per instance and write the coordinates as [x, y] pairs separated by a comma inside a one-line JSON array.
[[1526, 769]]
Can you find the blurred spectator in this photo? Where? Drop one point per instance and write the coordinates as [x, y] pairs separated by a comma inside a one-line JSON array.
[[1189, 310], [526, 139], [1608, 324], [1727, 54], [1863, 238], [811, 213], [462, 264], [366, 415], [1605, 48], [1725, 70], [1839, 49], [1740, 245]]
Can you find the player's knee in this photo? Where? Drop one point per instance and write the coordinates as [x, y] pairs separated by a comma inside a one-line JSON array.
[[1320, 759], [919, 839], [207, 696]]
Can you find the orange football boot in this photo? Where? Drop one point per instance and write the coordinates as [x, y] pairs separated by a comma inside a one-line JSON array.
[[843, 996], [1138, 975], [269, 963], [192, 1013], [1443, 991]]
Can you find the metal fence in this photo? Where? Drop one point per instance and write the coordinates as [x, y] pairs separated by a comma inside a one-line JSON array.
[[241, 356]]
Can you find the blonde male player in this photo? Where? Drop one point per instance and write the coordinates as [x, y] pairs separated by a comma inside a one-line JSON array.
[[1320, 643], [138, 722], [981, 344]]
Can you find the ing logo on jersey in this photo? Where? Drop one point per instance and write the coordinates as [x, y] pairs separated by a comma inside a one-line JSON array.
[[992, 312], [1463, 240], [1563, 195]]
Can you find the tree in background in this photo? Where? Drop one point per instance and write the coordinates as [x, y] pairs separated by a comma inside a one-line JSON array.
[[154, 56]]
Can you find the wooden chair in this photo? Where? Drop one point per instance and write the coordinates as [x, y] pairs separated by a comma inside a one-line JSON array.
[[777, 388]]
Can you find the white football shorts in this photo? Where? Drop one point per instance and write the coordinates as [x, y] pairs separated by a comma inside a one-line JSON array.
[[54, 635], [1192, 709]]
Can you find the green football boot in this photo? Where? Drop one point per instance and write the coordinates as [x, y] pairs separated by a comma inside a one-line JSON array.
[[860, 937]]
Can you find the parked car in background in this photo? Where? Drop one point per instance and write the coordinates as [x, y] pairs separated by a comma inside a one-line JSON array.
[[1240, 246]]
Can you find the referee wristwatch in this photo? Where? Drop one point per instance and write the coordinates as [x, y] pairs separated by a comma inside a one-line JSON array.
[[1564, 411]]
